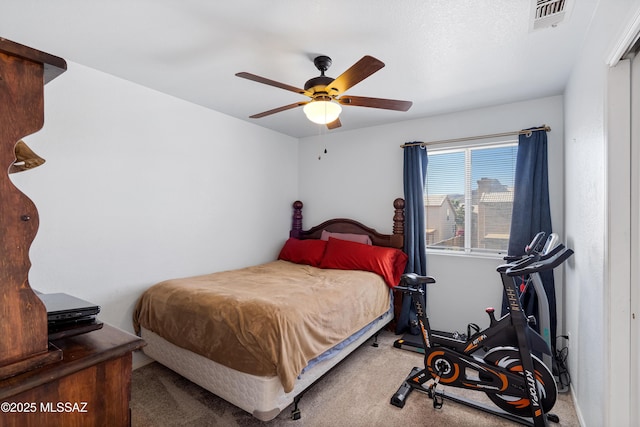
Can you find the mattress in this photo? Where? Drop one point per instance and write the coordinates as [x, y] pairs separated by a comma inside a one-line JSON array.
[[261, 396], [269, 319]]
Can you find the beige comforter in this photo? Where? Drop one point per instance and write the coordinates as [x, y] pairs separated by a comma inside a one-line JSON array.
[[265, 320]]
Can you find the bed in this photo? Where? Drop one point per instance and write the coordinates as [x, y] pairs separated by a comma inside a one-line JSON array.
[[259, 336]]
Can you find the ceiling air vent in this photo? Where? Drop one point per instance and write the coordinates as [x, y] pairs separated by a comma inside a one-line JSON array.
[[548, 13]]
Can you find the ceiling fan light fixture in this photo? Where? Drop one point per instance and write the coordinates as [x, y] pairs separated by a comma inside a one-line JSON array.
[[322, 112]]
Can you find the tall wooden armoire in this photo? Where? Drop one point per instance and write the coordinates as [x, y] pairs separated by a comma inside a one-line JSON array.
[[79, 380], [23, 318]]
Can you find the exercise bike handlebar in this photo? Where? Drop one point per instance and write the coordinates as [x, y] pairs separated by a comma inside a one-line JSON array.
[[552, 252], [531, 249], [534, 246], [519, 263], [549, 263]]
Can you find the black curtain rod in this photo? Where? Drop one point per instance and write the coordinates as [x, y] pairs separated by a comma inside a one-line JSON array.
[[471, 138]]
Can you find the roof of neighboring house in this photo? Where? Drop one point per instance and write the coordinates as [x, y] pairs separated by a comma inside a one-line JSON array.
[[435, 199], [499, 197], [499, 236]]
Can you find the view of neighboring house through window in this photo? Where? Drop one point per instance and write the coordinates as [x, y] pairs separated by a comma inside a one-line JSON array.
[[468, 197]]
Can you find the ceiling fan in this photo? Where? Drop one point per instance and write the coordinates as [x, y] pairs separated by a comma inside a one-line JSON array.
[[326, 93]]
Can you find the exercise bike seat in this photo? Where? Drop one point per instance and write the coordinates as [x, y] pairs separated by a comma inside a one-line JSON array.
[[413, 279]]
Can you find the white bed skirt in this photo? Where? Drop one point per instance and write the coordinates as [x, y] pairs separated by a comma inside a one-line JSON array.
[[263, 397]]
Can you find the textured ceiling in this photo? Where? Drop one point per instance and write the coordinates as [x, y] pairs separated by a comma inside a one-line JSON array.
[[443, 55]]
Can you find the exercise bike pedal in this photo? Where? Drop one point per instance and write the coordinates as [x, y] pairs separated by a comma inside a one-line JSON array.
[[553, 418], [438, 400]]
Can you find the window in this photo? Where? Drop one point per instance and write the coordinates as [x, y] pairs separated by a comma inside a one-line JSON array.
[[468, 197]]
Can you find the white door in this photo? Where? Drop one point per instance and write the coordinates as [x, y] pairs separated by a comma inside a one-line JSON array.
[[635, 239]]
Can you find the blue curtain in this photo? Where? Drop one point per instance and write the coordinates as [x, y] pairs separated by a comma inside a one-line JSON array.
[[532, 214], [414, 174]]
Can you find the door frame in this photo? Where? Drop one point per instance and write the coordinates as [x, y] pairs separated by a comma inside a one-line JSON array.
[[622, 302]]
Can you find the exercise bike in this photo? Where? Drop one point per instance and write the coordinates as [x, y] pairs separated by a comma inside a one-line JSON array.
[[497, 361], [537, 249]]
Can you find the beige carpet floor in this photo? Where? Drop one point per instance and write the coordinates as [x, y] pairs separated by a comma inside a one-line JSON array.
[[356, 393]]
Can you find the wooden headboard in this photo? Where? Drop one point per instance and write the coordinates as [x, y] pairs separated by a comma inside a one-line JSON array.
[[345, 225]]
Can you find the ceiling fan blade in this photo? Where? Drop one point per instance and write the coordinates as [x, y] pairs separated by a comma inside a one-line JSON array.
[[334, 124], [270, 82], [277, 110], [387, 104], [354, 75]]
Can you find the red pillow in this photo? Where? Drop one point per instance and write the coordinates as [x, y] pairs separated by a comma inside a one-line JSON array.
[[345, 255], [303, 251]]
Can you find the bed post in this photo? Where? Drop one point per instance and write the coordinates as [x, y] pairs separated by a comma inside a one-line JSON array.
[[296, 220], [398, 224]]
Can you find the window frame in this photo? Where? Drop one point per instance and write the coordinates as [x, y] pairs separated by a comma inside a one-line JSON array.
[[467, 146]]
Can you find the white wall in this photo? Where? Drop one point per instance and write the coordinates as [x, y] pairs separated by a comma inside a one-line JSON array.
[[140, 187], [361, 175], [586, 216]]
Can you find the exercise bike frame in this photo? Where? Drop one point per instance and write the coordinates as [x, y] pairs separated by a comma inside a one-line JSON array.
[[512, 330]]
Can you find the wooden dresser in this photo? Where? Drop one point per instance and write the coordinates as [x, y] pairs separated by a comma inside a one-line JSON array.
[[90, 386], [83, 380]]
